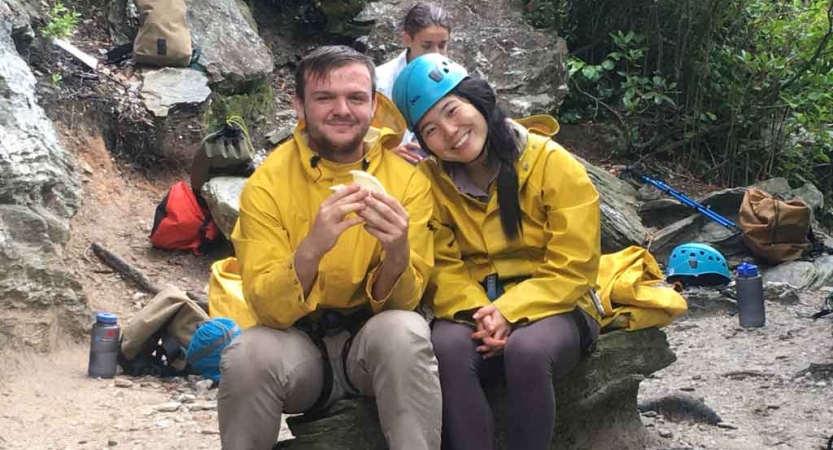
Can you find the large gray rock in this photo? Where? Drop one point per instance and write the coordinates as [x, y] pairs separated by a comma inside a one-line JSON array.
[[232, 52], [526, 66], [811, 195], [665, 240], [122, 20], [168, 87], [39, 192], [596, 403], [803, 274], [775, 186], [697, 228], [222, 194], [234, 55], [621, 226], [665, 211]]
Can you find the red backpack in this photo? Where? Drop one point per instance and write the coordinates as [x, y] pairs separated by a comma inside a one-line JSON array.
[[181, 223]]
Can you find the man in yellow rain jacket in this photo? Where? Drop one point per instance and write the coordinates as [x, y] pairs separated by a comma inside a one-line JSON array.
[[313, 259]]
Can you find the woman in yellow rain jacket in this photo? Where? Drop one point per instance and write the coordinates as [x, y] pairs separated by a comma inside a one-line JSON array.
[[517, 247]]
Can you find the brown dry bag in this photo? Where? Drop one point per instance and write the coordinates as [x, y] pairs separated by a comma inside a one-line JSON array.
[[163, 38], [774, 229], [164, 327]]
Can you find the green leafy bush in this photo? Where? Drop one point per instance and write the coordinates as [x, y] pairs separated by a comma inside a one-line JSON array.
[[734, 90], [61, 22]]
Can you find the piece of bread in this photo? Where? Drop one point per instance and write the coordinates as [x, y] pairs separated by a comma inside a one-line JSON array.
[[364, 180], [367, 181]]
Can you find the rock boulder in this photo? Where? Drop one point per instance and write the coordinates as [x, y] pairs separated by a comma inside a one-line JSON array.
[[596, 403], [527, 67], [39, 192]]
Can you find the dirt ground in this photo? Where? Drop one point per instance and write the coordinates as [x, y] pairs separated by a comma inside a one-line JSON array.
[[746, 376]]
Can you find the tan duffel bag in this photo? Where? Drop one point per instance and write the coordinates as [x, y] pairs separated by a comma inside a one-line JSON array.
[[164, 38], [774, 229]]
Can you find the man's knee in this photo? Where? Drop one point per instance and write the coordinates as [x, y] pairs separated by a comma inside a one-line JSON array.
[[261, 354], [398, 334]]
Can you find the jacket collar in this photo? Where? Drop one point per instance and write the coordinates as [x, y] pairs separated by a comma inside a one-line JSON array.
[[531, 148], [320, 169]]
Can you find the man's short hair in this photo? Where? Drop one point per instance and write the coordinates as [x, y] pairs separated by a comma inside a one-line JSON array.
[[323, 60]]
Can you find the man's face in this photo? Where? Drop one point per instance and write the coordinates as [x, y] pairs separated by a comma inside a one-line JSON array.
[[338, 109]]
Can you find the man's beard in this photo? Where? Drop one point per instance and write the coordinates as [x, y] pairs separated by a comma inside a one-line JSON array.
[[327, 148]]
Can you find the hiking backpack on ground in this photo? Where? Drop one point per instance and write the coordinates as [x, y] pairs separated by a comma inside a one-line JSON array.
[[182, 223], [774, 229], [154, 341], [163, 38]]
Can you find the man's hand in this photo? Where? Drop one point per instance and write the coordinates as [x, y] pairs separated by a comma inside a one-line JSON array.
[[493, 329], [329, 223], [331, 219], [409, 151], [387, 220]]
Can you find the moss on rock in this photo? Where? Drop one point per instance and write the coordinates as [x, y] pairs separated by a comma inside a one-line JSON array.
[[253, 106]]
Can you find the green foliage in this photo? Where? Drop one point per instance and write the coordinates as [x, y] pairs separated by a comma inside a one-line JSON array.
[[734, 90], [61, 22], [56, 78], [619, 85]]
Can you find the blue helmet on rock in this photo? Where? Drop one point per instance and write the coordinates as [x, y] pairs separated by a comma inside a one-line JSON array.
[[697, 265], [423, 82]]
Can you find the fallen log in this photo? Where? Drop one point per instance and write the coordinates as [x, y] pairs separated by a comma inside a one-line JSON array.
[[136, 276]]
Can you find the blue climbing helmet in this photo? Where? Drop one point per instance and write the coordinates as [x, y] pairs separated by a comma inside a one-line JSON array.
[[423, 82], [697, 265]]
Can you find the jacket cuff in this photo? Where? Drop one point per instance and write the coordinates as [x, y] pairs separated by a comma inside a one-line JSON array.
[[402, 288]]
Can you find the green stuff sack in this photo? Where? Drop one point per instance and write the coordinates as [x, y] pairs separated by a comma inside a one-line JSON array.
[[225, 152]]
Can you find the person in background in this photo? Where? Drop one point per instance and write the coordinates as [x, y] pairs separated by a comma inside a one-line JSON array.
[[333, 275], [426, 29], [517, 248]]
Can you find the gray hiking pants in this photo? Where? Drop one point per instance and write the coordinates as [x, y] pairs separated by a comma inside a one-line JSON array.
[[266, 372]]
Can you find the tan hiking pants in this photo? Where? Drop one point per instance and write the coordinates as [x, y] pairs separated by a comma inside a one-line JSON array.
[[266, 372]]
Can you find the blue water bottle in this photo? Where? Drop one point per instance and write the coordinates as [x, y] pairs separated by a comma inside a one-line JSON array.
[[750, 291], [104, 346]]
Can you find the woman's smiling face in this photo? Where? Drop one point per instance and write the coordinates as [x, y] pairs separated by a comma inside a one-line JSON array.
[[454, 130]]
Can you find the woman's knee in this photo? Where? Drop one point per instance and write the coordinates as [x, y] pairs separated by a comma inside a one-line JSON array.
[[542, 344], [451, 339]]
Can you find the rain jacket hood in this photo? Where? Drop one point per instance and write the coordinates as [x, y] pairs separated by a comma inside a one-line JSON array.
[[279, 204]]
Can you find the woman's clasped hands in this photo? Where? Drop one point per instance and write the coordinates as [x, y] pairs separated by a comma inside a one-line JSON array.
[[492, 329]]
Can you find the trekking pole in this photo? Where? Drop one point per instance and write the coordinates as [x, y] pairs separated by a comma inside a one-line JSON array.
[[682, 198]]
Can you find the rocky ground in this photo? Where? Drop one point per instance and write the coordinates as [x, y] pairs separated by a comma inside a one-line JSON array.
[[754, 379]]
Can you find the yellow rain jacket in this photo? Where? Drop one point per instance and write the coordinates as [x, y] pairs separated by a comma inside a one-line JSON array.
[[278, 206], [225, 294], [559, 248], [633, 292]]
